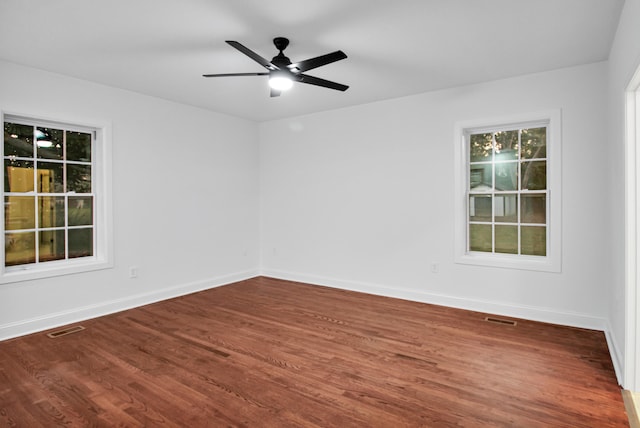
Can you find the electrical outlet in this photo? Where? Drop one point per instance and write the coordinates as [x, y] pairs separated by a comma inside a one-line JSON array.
[[435, 267], [133, 272]]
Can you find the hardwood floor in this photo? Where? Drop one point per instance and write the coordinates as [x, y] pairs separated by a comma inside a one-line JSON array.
[[266, 352]]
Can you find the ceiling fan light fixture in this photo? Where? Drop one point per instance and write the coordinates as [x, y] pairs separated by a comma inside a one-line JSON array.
[[45, 144], [280, 82]]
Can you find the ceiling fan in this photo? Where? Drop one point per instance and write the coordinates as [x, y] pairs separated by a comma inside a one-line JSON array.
[[282, 72]]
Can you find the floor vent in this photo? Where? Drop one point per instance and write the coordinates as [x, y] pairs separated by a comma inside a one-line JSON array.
[[65, 331], [501, 321]]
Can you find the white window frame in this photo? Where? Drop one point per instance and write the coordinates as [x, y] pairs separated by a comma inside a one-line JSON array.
[[552, 262], [102, 257]]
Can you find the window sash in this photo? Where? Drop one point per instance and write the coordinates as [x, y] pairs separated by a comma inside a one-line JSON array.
[[99, 250], [552, 213]]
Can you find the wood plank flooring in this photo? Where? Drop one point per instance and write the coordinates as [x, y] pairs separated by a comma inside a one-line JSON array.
[[266, 352]]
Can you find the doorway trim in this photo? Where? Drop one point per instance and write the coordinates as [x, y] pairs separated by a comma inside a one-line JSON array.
[[631, 376]]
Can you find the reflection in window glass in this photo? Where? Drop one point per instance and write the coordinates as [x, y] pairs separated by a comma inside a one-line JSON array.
[[534, 175], [534, 208], [50, 177], [481, 147], [78, 178], [480, 238], [534, 143], [506, 208], [80, 242], [507, 239], [52, 245], [51, 211], [506, 145], [19, 212], [49, 143], [480, 207], [80, 210], [18, 140], [481, 177], [18, 175], [507, 176], [78, 146], [534, 240], [19, 248]]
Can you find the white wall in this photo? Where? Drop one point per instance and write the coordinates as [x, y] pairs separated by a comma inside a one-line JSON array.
[[362, 198], [185, 200], [624, 59]]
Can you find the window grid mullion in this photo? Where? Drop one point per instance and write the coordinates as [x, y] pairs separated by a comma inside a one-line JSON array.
[[546, 197], [65, 189], [519, 192], [493, 192], [93, 199], [36, 194]]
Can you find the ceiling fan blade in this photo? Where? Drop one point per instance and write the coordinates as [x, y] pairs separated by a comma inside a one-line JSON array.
[[275, 93], [318, 61], [251, 54], [235, 74], [304, 78]]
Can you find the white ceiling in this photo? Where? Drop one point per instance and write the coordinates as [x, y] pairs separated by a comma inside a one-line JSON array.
[[395, 48]]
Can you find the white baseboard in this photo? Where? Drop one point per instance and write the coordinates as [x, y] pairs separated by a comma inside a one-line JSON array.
[[497, 308], [46, 322], [614, 351]]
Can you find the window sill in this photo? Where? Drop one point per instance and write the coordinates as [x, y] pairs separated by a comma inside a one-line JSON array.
[[543, 264], [29, 273]]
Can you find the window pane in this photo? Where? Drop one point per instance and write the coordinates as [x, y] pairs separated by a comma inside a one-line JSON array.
[[80, 242], [19, 212], [50, 178], [480, 237], [78, 146], [51, 245], [534, 175], [480, 147], [480, 177], [534, 240], [507, 145], [534, 209], [534, 143], [507, 239], [18, 140], [80, 210], [480, 208], [19, 248], [78, 178], [19, 176], [49, 143], [507, 176], [51, 211], [506, 208]]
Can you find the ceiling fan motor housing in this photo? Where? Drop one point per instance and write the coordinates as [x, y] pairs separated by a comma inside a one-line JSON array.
[[281, 43], [280, 60]]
